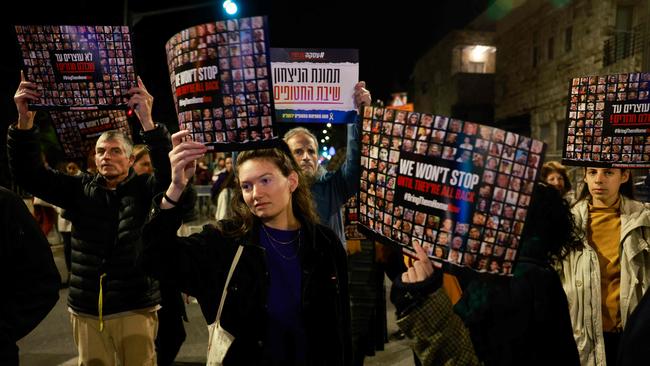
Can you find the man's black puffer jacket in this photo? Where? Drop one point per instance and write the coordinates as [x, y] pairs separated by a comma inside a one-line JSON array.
[[107, 224]]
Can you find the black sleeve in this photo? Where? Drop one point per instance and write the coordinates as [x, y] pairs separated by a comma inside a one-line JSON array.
[[24, 154], [344, 299], [160, 144], [408, 296], [188, 204], [31, 279], [189, 263]]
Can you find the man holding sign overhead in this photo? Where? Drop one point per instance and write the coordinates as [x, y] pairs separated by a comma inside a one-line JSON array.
[[112, 301], [330, 189]]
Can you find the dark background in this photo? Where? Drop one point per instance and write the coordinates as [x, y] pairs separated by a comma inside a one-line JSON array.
[[389, 38]]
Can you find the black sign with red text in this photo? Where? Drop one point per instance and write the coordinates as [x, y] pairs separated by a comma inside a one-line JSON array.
[[78, 67], [78, 131], [458, 188], [608, 121], [219, 74]]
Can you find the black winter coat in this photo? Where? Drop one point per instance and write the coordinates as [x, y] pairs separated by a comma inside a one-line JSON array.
[[29, 276], [199, 265], [106, 224]]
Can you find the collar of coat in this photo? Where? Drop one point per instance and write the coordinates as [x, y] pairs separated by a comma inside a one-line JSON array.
[[634, 215]]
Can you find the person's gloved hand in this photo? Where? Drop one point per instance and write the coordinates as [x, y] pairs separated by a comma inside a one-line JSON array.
[[414, 285]]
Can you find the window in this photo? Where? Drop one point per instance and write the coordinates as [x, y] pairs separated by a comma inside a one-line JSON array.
[[478, 59], [476, 67], [568, 39], [535, 50]]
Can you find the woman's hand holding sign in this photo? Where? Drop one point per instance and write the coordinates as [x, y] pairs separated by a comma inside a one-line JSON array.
[[361, 96], [26, 91], [141, 102], [183, 160]]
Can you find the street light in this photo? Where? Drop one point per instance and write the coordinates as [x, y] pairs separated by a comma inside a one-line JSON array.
[[230, 7]]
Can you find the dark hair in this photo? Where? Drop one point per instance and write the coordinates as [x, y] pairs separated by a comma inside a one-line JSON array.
[[302, 202], [550, 220], [626, 189], [555, 167]]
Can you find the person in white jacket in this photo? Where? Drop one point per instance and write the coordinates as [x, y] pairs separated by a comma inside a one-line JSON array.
[[605, 280]]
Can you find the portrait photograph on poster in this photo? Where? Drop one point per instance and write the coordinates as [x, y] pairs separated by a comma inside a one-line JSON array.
[[458, 188]]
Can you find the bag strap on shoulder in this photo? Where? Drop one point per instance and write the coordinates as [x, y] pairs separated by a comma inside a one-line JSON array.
[[225, 287]]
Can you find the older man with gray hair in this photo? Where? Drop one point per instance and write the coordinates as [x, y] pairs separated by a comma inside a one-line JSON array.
[[112, 302], [330, 190]]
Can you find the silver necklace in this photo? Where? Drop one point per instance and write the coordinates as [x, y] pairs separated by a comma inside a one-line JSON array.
[[268, 235], [271, 240]]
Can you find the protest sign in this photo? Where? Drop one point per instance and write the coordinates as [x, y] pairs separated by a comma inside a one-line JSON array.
[[608, 121], [78, 67], [78, 131], [458, 188], [220, 82], [314, 85]]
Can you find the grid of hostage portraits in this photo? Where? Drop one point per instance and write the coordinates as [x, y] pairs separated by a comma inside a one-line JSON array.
[[220, 80], [609, 121], [458, 188], [78, 131], [85, 67]]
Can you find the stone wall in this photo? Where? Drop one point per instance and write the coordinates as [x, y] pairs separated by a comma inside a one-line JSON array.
[[523, 87], [435, 87], [540, 90]]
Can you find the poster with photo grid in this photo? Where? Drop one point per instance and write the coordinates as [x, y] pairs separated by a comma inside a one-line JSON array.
[[78, 67], [78, 131], [458, 188], [608, 121], [220, 79]]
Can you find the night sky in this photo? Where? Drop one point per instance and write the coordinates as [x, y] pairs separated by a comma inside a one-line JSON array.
[[389, 39]]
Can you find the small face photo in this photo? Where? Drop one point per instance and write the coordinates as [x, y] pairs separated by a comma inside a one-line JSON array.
[[499, 194], [461, 228], [486, 249], [420, 218], [478, 218], [488, 176], [441, 122], [454, 256], [455, 125], [485, 191], [443, 238], [433, 221], [456, 242], [475, 232], [447, 225]]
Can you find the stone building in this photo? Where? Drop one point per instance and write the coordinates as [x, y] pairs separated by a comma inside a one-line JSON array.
[[456, 77], [539, 46]]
